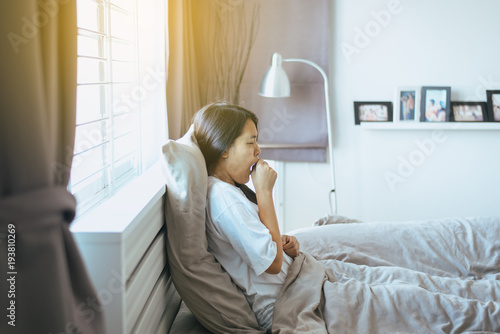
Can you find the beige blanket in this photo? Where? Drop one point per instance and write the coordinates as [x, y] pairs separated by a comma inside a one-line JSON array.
[[439, 276], [300, 304]]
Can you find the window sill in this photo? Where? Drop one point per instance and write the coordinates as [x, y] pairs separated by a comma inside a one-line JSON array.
[[122, 210]]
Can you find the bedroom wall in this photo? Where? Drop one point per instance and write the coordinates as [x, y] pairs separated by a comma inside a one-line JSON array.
[[422, 43]]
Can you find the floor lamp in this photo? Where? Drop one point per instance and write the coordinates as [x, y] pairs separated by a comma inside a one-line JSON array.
[[276, 84]]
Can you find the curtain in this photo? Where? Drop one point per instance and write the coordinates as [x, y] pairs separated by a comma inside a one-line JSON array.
[[49, 289], [183, 95], [209, 43]]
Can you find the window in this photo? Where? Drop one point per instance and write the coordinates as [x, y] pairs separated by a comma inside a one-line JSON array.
[[111, 98]]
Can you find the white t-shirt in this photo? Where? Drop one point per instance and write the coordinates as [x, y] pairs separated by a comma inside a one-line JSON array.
[[244, 247]]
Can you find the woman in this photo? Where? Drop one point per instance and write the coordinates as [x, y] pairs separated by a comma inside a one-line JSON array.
[[242, 228], [243, 234]]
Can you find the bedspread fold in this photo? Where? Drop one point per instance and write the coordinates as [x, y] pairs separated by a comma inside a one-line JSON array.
[[299, 306]]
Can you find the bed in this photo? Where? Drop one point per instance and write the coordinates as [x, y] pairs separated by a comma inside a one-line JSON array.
[[433, 276]]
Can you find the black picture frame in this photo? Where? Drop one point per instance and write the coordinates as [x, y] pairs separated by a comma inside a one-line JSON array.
[[435, 104], [372, 111], [493, 105], [467, 113]]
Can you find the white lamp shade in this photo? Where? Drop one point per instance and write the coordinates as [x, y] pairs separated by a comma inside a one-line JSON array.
[[275, 82]]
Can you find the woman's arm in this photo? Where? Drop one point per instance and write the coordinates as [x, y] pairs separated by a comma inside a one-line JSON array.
[[263, 178]]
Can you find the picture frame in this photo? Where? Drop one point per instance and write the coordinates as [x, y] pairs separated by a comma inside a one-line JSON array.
[[493, 98], [372, 111], [407, 104], [468, 112], [435, 104]]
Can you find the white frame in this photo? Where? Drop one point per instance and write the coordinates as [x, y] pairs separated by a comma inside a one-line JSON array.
[[397, 104]]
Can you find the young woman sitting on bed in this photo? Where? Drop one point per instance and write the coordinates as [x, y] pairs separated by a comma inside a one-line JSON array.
[[242, 228], [439, 277]]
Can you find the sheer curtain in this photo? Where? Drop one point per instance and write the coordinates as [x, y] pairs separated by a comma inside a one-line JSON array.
[[51, 290], [209, 45], [183, 88]]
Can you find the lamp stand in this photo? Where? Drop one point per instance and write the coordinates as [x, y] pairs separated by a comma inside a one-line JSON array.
[[329, 127]]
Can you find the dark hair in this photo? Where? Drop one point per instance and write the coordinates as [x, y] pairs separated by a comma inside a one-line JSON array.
[[216, 127]]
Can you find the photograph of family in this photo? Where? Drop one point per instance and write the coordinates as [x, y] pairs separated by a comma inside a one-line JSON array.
[[494, 105], [468, 111], [435, 104], [372, 112], [407, 105]]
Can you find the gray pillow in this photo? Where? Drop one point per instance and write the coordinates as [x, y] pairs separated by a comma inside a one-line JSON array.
[[202, 283]]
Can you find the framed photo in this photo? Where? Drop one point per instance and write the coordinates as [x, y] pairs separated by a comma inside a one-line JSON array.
[[435, 104], [468, 112], [493, 105], [407, 104], [372, 112]]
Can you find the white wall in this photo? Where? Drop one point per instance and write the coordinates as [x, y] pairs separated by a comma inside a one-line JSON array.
[[427, 42]]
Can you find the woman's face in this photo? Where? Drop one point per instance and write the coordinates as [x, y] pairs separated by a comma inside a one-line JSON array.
[[236, 163]]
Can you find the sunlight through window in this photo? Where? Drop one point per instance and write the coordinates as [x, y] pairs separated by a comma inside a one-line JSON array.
[[107, 143]]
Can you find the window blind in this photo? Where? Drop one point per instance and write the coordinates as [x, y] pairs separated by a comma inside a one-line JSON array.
[[112, 97], [293, 128]]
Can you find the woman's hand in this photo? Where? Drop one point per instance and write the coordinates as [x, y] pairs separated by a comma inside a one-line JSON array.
[[263, 177], [290, 245]]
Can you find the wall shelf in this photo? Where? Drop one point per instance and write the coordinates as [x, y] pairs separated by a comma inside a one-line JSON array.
[[480, 126]]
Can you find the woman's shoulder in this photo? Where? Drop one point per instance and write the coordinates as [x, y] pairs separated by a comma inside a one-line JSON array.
[[222, 192], [214, 184], [217, 187]]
